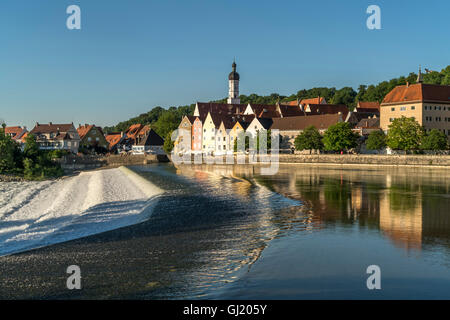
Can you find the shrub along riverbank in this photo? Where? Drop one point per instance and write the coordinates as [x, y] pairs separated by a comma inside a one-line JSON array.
[[31, 163]]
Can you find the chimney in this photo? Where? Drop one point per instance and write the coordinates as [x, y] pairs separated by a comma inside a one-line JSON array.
[[407, 84], [50, 123], [79, 125], [121, 134]]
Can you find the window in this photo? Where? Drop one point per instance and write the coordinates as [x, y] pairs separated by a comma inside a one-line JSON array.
[[224, 139], [413, 108], [391, 119], [402, 108], [224, 147], [392, 109]]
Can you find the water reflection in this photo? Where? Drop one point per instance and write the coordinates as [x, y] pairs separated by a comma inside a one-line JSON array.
[[410, 206], [217, 224]]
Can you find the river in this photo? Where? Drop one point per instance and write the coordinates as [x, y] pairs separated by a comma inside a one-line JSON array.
[[226, 232]]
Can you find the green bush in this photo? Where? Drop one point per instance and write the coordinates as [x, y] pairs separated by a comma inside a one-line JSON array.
[[340, 137], [309, 139], [404, 134], [376, 140], [434, 140]]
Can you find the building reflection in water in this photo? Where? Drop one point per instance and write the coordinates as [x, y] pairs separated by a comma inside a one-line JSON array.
[[410, 206]]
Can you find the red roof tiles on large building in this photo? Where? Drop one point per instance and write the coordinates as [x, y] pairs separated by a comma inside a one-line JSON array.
[[419, 92]]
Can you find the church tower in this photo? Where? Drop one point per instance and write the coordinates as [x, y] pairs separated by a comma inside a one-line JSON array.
[[419, 76], [233, 83]]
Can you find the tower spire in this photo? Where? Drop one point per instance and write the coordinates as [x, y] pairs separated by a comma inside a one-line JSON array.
[[419, 76], [233, 85]]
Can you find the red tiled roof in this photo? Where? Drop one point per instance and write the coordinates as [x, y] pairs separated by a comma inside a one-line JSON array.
[[25, 135], [317, 109], [317, 100], [291, 111], [418, 92], [15, 132], [50, 128], [368, 105], [320, 122], [265, 110], [137, 131], [60, 131], [83, 130], [219, 108], [113, 139]]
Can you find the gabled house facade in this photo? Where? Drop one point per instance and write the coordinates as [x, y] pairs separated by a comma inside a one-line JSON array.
[[185, 137], [151, 143], [197, 135], [209, 134], [92, 137], [57, 137]]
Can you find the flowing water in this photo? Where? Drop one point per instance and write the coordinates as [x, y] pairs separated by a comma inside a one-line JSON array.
[[227, 232]]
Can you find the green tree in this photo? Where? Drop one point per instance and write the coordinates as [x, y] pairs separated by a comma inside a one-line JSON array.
[[168, 143], [345, 96], [31, 149], [7, 151], [340, 137], [309, 139], [404, 134], [166, 123], [376, 140], [434, 140]]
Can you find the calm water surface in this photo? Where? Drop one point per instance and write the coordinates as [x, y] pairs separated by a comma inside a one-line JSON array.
[[227, 232]]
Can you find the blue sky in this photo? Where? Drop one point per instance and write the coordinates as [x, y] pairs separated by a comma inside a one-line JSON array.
[[132, 55]]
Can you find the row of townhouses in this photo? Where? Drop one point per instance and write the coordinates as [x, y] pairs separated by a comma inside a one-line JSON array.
[[214, 126], [138, 139]]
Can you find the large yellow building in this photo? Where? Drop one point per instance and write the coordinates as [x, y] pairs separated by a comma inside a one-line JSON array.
[[429, 104]]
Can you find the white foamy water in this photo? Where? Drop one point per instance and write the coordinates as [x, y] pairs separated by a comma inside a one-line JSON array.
[[38, 214]]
